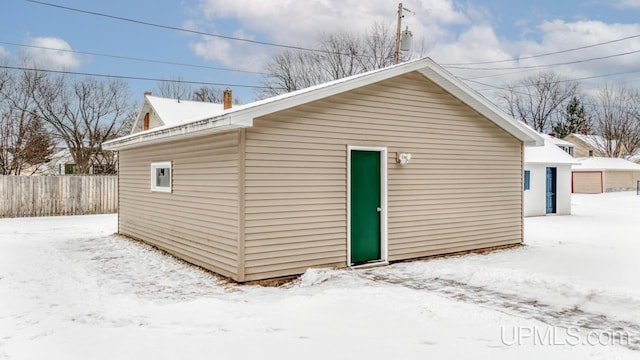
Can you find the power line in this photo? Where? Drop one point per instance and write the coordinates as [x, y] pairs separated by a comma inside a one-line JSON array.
[[548, 54], [563, 80], [133, 58], [168, 27], [547, 65], [124, 77], [452, 65]]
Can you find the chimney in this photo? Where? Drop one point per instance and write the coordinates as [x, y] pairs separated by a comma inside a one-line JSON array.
[[226, 98], [147, 93]]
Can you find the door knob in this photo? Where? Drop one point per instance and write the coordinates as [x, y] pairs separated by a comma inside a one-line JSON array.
[[379, 209]]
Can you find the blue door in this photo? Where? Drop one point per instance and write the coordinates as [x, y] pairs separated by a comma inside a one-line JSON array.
[[551, 190]]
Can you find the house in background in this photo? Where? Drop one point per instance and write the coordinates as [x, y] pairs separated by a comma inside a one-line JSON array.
[[547, 178], [599, 174], [591, 145], [564, 145], [61, 163], [398, 163], [158, 111]]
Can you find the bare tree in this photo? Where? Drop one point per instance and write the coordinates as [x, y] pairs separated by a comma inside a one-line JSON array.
[[379, 47], [83, 114], [538, 100], [617, 120], [174, 88], [289, 71], [208, 94], [343, 54], [25, 145]]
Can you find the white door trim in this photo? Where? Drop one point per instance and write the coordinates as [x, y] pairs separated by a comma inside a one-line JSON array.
[[383, 200]]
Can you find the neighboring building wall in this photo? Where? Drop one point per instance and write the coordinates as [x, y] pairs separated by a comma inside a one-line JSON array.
[[580, 149], [563, 195], [535, 199], [620, 180], [462, 189], [199, 220], [587, 182]]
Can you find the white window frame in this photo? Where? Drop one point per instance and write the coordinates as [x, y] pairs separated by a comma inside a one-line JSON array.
[[159, 165]]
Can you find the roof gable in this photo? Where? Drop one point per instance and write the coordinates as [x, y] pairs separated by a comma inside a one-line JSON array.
[[549, 153], [173, 112], [243, 116]]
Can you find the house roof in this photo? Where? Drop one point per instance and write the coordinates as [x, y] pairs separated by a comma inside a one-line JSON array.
[[603, 163], [596, 142], [174, 112], [243, 116], [550, 153], [558, 141]]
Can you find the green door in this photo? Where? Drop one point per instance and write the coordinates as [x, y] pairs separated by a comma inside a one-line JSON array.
[[365, 206]]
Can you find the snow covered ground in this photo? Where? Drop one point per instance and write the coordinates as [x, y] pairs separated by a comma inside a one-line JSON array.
[[71, 290]]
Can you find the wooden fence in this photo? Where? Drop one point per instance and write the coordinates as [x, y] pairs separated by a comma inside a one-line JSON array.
[[22, 196]]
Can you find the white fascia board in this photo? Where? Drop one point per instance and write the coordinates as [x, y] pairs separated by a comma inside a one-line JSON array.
[[552, 163], [177, 132], [485, 107]]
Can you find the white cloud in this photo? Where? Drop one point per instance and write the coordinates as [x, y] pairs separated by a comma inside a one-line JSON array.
[[236, 55], [626, 4], [41, 54], [477, 44], [451, 33], [559, 35], [300, 22], [3, 52]]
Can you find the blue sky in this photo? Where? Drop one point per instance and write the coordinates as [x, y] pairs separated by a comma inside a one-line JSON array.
[[450, 31]]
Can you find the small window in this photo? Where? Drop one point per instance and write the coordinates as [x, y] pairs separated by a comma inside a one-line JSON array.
[[527, 179], [161, 176], [69, 169]]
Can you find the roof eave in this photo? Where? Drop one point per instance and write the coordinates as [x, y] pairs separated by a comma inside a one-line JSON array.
[[552, 162], [244, 117], [183, 131]]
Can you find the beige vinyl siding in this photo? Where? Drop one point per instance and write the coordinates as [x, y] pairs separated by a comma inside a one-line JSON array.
[[580, 148], [587, 182], [621, 180], [198, 221], [461, 190]]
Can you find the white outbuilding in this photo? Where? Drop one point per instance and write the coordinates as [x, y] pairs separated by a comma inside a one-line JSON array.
[[547, 179]]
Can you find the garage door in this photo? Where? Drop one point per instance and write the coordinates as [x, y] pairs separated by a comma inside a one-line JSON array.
[[586, 182]]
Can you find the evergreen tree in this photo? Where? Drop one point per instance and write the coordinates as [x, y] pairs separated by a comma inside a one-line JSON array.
[[575, 120]]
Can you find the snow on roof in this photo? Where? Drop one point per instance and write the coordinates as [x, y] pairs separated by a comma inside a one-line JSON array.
[[243, 116], [558, 141], [603, 163], [549, 153], [595, 141], [175, 112]]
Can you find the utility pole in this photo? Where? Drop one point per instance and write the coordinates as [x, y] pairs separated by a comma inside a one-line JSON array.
[[399, 32]]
